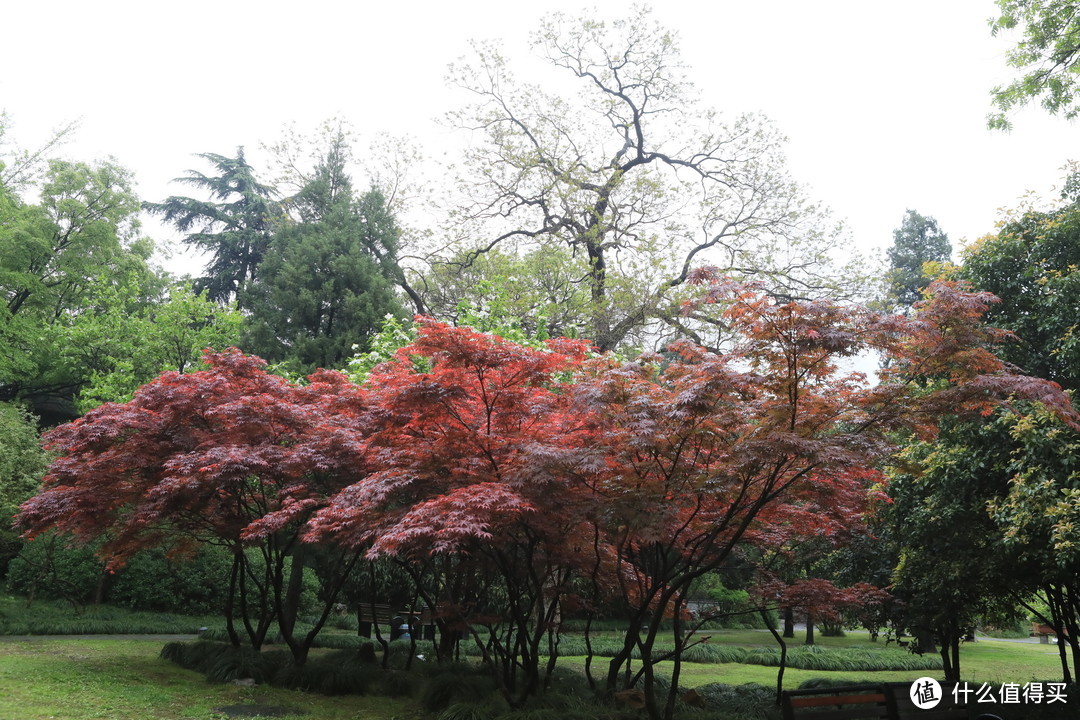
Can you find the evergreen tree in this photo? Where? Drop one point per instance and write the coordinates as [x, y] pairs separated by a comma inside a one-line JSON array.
[[916, 242], [326, 281], [234, 225]]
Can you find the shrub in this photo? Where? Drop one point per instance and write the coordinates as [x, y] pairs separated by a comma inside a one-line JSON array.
[[239, 663], [54, 567], [736, 701], [823, 682], [458, 685], [336, 673], [821, 659], [151, 581], [395, 684], [468, 711]]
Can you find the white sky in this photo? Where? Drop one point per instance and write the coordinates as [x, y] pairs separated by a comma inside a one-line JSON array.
[[884, 103]]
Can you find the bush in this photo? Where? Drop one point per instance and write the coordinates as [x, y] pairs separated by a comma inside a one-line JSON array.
[[53, 567], [151, 581], [224, 663], [336, 673], [822, 682], [709, 653], [22, 463], [240, 663], [58, 617], [751, 701], [468, 711], [821, 659], [457, 685], [396, 684]]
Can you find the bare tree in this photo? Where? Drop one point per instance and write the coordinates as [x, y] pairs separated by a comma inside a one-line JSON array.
[[632, 176]]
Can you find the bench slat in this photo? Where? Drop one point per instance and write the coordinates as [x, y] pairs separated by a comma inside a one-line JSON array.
[[866, 699]]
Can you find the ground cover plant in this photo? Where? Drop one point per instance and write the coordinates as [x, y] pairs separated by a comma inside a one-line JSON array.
[[59, 617]]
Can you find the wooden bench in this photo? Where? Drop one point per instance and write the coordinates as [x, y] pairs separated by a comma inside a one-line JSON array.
[[1043, 632], [370, 615], [843, 702], [384, 614]]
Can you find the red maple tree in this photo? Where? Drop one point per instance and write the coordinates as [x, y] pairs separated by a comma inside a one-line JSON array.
[[497, 475], [473, 449], [705, 451], [231, 455]]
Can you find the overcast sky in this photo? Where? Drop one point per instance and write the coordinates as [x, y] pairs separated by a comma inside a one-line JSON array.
[[884, 104]]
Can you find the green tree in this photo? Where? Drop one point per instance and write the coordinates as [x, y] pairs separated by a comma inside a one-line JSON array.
[[539, 290], [1039, 517], [1047, 56], [981, 516], [326, 283], [234, 225], [60, 258], [22, 465], [916, 242], [954, 568], [1033, 265], [121, 347]]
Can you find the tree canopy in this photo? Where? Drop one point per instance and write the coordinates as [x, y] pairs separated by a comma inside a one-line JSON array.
[[629, 175], [326, 281], [234, 225], [1047, 55], [1031, 264], [916, 242], [552, 478]]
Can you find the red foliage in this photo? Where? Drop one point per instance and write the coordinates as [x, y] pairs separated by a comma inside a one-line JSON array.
[[821, 598], [540, 464], [474, 450], [227, 454]]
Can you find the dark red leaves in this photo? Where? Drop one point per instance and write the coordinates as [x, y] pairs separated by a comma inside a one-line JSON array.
[[226, 454]]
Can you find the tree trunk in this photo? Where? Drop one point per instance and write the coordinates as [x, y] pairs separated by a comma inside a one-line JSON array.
[[783, 653], [230, 601], [289, 605], [924, 640]]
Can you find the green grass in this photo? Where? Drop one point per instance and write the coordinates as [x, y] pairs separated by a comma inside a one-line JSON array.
[[55, 617], [123, 679], [987, 660]]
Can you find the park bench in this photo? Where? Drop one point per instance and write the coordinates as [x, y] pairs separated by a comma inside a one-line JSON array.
[[1043, 632], [843, 702], [385, 615], [887, 701]]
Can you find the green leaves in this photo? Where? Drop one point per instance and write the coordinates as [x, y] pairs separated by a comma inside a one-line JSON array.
[[62, 261], [234, 225], [1047, 55], [1033, 265], [22, 465], [916, 242], [124, 347]]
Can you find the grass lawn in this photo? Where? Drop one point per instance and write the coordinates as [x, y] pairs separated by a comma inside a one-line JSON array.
[[77, 678], [986, 660]]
